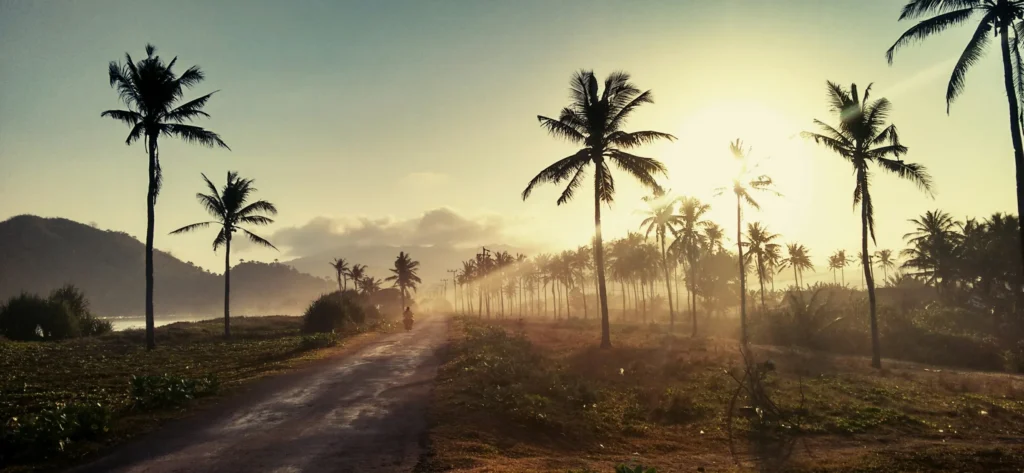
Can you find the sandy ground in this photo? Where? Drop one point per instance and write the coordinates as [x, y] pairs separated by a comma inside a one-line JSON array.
[[364, 412]]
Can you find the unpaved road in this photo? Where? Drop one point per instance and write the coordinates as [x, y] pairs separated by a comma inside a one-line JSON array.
[[361, 412]]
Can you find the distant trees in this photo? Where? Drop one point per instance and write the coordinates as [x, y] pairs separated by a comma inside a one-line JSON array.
[[594, 120], [152, 92], [864, 138], [662, 219], [231, 210], [341, 270], [762, 248], [799, 259]]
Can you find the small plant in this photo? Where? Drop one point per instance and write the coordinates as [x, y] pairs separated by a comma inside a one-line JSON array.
[[337, 311], [50, 431], [160, 392], [318, 340]]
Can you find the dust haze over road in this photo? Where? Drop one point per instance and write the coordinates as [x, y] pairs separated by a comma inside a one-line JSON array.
[[365, 411]]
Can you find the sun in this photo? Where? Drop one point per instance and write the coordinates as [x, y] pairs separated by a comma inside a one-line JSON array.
[[701, 162]]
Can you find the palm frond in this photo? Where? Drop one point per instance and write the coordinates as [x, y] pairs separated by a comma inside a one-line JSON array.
[[212, 204], [136, 133], [193, 134], [257, 239], [190, 110], [838, 97], [562, 130], [834, 134], [256, 220], [913, 172], [918, 8], [641, 168], [887, 135], [129, 117], [604, 182], [192, 228], [972, 53], [258, 206], [830, 143], [190, 77], [929, 27], [574, 183], [558, 171], [619, 117], [637, 138], [220, 239]]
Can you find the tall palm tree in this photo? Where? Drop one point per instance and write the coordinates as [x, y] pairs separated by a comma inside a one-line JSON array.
[[933, 250], [341, 269], [152, 94], [864, 138], [884, 260], [230, 211], [689, 243], [841, 261], [404, 275], [357, 273], [799, 259], [594, 121], [836, 263], [1005, 18], [745, 182], [714, 235], [761, 246], [661, 219]]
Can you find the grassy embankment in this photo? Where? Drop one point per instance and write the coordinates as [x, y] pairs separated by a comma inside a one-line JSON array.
[[191, 369], [541, 396]]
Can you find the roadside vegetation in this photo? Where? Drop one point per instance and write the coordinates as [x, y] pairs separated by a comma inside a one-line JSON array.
[[541, 396]]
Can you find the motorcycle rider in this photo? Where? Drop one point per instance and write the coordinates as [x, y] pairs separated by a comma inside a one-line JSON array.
[[407, 318]]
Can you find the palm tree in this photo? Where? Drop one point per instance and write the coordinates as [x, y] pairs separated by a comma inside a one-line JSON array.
[[761, 244], [886, 262], [841, 261], [661, 219], [230, 211], [742, 185], [835, 263], [933, 248], [799, 259], [152, 92], [594, 122], [689, 242], [357, 273], [341, 269], [404, 275], [1003, 16], [369, 285], [864, 138]]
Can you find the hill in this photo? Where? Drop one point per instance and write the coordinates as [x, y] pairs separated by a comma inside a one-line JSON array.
[[39, 254]]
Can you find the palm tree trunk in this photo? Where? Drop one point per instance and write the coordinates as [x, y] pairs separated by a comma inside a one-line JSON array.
[[622, 287], [693, 297], [339, 282], [876, 349], [760, 279], [643, 299], [1018, 147], [150, 223], [743, 277], [636, 300], [606, 338], [583, 290], [796, 278], [227, 285], [668, 286]]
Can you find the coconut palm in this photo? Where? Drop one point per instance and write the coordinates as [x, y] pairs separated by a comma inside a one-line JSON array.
[[799, 259], [1002, 18], [357, 273], [594, 121], [836, 263], [714, 235], [689, 242], [863, 138], [744, 183], [404, 275], [934, 247], [884, 260], [662, 219], [761, 246], [369, 285], [341, 269], [152, 94], [230, 211]]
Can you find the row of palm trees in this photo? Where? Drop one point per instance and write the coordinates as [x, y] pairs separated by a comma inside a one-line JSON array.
[[404, 276]]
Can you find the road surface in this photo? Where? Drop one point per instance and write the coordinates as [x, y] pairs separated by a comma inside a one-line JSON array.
[[362, 412]]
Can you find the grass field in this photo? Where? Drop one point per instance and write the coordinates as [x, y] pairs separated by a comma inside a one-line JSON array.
[[35, 377], [540, 396]]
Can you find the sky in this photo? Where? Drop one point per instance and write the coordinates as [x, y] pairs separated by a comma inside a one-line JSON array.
[[404, 122]]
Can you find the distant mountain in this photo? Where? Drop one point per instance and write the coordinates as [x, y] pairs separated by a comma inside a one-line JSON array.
[[39, 254], [435, 261]]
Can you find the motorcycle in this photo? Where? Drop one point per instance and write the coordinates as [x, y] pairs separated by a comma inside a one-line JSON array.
[[408, 323]]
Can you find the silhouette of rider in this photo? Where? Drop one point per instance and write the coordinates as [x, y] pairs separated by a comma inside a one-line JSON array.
[[407, 315]]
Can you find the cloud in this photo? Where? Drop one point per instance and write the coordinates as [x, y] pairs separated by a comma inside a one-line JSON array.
[[438, 227]]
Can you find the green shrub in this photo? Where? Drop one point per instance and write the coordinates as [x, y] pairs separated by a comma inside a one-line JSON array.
[[335, 312], [78, 306], [679, 408], [159, 392], [318, 340], [28, 317], [49, 431]]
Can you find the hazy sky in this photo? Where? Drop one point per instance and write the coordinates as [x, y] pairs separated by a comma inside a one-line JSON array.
[[359, 118]]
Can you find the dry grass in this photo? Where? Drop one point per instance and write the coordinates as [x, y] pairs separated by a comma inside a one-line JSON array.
[[662, 400]]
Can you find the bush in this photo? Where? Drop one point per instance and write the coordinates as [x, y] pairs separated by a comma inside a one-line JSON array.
[[318, 340], [334, 312], [65, 314], [159, 392], [49, 431], [76, 303]]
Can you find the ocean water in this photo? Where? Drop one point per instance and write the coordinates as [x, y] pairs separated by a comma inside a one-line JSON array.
[[139, 321]]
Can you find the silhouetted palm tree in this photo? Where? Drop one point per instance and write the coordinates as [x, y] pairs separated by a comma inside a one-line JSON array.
[[661, 220], [742, 185], [594, 121], [1005, 17], [864, 138], [761, 243], [690, 241], [369, 285], [885, 261], [404, 275], [799, 259], [357, 273], [152, 93], [933, 251], [230, 209], [341, 270]]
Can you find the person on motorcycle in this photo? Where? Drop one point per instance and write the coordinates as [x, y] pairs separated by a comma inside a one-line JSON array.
[[407, 318]]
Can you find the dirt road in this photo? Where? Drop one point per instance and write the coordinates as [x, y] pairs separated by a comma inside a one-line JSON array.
[[364, 412]]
